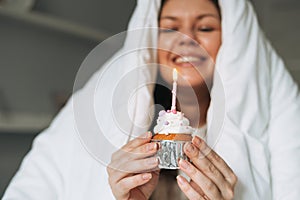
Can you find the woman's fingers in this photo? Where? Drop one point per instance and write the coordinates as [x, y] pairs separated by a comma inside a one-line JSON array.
[[206, 184], [141, 152], [144, 151], [187, 189], [128, 183], [143, 139], [130, 166], [132, 145], [216, 160], [196, 187], [135, 166], [138, 166], [207, 168]]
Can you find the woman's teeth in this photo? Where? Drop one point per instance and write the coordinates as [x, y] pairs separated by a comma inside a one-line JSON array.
[[187, 59]]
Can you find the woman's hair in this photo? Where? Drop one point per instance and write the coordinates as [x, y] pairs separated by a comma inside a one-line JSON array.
[[215, 2]]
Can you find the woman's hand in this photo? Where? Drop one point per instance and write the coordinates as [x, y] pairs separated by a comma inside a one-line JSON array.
[[131, 171], [211, 177]]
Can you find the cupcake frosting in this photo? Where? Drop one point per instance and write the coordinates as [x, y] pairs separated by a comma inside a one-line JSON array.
[[172, 122]]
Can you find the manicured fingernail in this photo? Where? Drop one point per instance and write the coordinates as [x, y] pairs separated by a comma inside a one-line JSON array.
[[147, 135], [147, 176], [189, 147], [197, 141], [183, 164], [152, 161], [180, 180], [151, 146]]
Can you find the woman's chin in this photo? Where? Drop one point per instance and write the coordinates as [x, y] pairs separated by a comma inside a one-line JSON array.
[[192, 83], [187, 77]]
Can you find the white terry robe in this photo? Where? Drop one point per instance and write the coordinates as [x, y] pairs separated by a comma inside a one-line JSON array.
[[253, 120]]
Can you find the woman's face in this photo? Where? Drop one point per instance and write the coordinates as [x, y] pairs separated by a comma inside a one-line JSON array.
[[189, 40]]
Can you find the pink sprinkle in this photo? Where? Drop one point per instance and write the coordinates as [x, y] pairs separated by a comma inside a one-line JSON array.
[[174, 111], [168, 111], [181, 124], [161, 113], [166, 123]]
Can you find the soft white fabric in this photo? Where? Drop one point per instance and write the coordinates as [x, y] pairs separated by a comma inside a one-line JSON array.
[[255, 105]]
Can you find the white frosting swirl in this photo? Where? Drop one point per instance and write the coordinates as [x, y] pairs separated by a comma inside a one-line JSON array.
[[172, 122]]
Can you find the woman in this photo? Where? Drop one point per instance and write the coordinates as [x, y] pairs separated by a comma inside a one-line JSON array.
[[199, 22], [251, 116]]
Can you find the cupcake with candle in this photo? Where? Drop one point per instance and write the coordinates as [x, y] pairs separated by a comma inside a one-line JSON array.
[[172, 131], [172, 125]]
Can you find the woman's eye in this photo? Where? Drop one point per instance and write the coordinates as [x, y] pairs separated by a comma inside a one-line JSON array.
[[165, 30], [205, 29]]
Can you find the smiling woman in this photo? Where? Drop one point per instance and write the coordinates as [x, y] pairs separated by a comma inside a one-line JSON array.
[[200, 30], [247, 100], [189, 40]]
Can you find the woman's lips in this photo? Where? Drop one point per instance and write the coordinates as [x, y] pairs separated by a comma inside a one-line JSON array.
[[189, 60]]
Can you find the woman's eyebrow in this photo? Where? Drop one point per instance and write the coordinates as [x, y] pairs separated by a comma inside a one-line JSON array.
[[168, 17], [173, 18], [207, 15]]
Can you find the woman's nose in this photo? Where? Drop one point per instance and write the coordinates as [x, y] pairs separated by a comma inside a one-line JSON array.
[[187, 38]]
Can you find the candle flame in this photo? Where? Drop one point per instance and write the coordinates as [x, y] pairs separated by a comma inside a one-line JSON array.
[[175, 75]]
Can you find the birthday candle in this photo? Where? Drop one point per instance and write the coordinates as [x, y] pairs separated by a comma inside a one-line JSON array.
[[174, 91]]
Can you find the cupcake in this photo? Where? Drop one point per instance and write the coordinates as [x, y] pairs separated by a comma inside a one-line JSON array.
[[172, 131]]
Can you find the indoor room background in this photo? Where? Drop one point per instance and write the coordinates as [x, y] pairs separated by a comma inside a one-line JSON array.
[[43, 42]]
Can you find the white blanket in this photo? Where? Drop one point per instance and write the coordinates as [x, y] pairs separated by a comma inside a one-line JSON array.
[[253, 121]]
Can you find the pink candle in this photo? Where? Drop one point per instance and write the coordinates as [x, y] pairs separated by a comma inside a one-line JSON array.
[[174, 91]]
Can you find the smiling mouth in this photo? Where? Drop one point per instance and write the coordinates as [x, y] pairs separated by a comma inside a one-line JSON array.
[[187, 59], [190, 60]]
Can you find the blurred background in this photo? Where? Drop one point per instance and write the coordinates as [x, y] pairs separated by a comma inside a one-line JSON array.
[[43, 42]]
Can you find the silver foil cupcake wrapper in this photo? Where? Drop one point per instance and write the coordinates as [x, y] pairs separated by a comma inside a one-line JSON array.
[[169, 153]]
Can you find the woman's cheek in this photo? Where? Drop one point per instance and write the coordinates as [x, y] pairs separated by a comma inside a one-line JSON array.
[[166, 73], [211, 43], [166, 41]]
